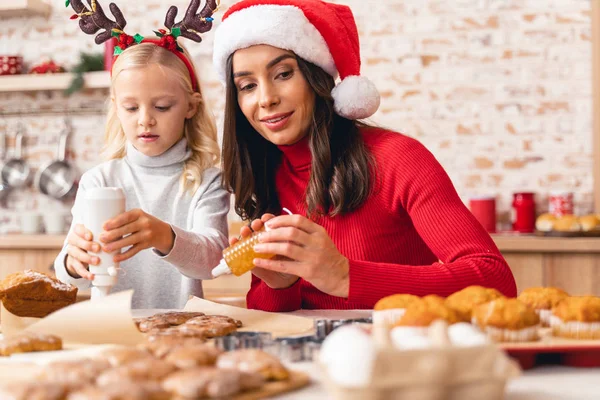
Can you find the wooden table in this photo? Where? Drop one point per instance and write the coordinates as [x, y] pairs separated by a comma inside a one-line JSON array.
[[546, 383]]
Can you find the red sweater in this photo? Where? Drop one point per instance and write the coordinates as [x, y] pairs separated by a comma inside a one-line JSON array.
[[413, 234]]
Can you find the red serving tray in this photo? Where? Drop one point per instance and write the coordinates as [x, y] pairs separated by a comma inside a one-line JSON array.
[[554, 350]]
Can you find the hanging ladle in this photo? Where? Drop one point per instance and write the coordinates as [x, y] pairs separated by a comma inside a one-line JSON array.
[[16, 172]]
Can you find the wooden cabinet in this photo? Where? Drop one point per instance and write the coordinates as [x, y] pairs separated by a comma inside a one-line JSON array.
[[572, 264], [569, 263]]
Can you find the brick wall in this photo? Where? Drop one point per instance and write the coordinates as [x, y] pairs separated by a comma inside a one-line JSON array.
[[498, 90]]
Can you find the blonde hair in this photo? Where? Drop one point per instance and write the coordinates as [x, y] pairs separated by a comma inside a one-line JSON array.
[[200, 131]]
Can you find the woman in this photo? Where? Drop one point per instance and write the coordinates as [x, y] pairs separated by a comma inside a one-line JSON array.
[[375, 213]]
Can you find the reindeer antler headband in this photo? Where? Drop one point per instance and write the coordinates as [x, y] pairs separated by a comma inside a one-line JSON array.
[[92, 19]]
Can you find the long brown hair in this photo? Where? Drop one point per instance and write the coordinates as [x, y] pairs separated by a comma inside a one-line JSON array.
[[341, 165]]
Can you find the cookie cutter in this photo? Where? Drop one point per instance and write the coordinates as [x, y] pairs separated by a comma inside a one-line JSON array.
[[243, 340], [324, 327]]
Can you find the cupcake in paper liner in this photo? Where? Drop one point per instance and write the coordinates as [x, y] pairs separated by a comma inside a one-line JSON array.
[[507, 320], [410, 332], [542, 300], [465, 300], [577, 317], [389, 309]]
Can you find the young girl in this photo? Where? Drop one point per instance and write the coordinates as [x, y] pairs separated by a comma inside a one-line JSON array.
[[375, 213], [162, 142]]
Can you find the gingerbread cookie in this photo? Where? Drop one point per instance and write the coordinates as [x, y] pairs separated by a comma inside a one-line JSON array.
[[161, 344], [165, 320], [140, 370], [254, 360], [28, 342], [193, 356], [33, 391]]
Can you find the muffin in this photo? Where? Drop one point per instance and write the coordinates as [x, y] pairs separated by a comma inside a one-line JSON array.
[[545, 222], [465, 300], [412, 329], [434, 299], [389, 309], [589, 222], [542, 300], [507, 320], [577, 318], [567, 223], [423, 313]]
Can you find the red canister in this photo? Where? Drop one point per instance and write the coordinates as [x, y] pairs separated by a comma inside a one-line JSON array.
[[523, 212], [484, 209], [11, 65], [560, 203]]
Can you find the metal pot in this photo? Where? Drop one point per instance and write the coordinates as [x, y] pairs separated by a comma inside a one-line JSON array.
[[58, 179], [16, 172]]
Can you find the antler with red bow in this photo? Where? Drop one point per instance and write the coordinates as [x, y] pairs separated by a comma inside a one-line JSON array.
[[193, 23]]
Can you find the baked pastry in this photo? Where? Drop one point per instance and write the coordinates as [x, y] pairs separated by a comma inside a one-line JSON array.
[[507, 320], [123, 391], [33, 391], [254, 361], [567, 223], [577, 318], [465, 300], [124, 355], [389, 309], [27, 342], [215, 325], [73, 373], [423, 313], [545, 222], [201, 382], [161, 344], [165, 320], [589, 222], [141, 370], [542, 299], [34, 294], [193, 356], [434, 299]]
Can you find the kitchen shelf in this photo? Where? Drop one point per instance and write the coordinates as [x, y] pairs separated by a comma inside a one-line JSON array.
[[37, 82], [534, 244], [24, 8]]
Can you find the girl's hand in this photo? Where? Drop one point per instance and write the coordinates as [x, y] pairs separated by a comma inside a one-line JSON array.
[[139, 230], [273, 279], [309, 251], [78, 260]]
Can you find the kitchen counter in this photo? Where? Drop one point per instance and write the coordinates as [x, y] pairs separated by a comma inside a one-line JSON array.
[[570, 263], [34, 242], [505, 242]]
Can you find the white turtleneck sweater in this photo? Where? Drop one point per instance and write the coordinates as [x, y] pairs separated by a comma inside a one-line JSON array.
[[199, 222]]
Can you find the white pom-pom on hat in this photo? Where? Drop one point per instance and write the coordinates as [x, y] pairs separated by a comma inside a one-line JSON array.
[[355, 97]]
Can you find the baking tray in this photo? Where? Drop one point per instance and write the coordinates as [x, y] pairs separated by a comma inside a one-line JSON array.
[[555, 351]]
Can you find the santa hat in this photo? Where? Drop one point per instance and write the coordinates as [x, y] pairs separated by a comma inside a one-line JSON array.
[[324, 34]]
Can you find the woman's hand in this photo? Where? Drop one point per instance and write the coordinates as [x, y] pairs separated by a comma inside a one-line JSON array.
[[273, 279], [307, 252], [78, 260], [139, 230]]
